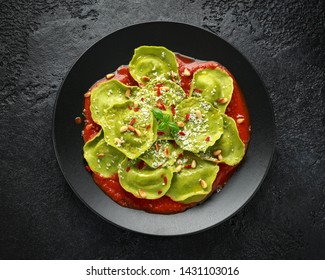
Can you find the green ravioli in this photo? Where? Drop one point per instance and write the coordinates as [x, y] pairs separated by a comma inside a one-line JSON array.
[[187, 185], [143, 181], [153, 62], [163, 95], [101, 157], [203, 124], [107, 94], [162, 153], [231, 146], [132, 142], [212, 85]]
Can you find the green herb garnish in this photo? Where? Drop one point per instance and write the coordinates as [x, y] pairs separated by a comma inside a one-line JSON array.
[[163, 120], [158, 114]]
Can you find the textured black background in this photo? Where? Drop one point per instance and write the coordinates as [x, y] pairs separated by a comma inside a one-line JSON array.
[[41, 218]]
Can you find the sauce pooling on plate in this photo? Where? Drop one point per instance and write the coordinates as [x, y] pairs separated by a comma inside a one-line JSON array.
[[165, 132]]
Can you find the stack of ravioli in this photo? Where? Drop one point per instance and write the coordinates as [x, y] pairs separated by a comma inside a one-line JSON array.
[[153, 160]]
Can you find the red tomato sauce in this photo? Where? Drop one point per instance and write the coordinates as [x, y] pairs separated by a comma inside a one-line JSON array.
[[164, 205]]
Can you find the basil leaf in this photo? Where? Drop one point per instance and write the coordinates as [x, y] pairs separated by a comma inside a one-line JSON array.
[[157, 113], [162, 126], [166, 118], [173, 126]]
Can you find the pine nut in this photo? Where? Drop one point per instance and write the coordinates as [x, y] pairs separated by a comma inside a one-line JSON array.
[[145, 78], [240, 120], [223, 100], [186, 73], [128, 92], [123, 128], [131, 128], [204, 185], [87, 94], [110, 76], [180, 124], [142, 193], [137, 132], [198, 114], [178, 168]]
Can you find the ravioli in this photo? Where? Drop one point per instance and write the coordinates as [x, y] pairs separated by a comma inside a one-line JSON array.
[[214, 85], [229, 148], [163, 95], [162, 153], [143, 181], [107, 94], [202, 124], [153, 62], [194, 182], [131, 130], [101, 157]]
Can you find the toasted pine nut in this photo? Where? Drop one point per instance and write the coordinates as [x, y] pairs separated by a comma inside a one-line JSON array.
[[142, 193], [180, 124], [217, 152], [186, 73], [204, 184], [145, 78], [137, 132], [223, 100], [135, 105], [123, 128], [220, 157], [128, 92], [178, 168], [101, 155], [240, 120], [193, 164], [87, 94], [110, 76], [131, 128], [198, 114]]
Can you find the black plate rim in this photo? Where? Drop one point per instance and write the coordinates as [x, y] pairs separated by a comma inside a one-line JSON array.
[[273, 132]]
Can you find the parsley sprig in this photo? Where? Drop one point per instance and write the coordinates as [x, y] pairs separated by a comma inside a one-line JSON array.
[[163, 120]]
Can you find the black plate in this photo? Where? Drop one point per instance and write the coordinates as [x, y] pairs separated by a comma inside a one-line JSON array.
[[117, 49]]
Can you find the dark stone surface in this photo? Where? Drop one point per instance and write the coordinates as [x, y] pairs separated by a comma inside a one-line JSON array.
[[40, 217]]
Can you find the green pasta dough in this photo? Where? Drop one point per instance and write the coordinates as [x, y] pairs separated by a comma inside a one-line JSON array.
[[152, 62], [162, 153], [230, 146], [214, 85], [143, 181], [203, 124], [192, 184], [132, 140], [101, 157], [106, 95]]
